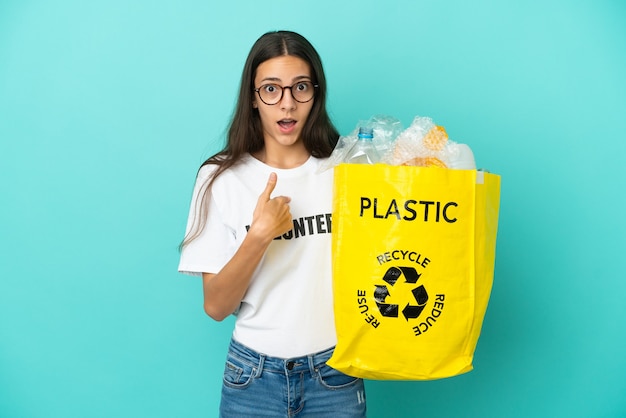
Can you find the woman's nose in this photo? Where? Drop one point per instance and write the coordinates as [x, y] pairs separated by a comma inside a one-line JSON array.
[[287, 101]]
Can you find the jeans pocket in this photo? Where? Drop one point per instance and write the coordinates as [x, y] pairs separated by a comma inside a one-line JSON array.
[[238, 373], [333, 379]]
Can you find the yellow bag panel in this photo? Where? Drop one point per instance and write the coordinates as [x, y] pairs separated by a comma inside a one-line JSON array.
[[487, 209], [404, 273]]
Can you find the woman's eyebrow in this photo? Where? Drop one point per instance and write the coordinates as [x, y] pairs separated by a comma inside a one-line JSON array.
[[271, 79], [278, 79]]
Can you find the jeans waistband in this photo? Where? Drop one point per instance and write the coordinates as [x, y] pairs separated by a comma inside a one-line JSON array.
[[286, 365]]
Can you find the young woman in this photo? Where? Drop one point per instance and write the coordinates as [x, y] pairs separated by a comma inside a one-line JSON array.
[[259, 235]]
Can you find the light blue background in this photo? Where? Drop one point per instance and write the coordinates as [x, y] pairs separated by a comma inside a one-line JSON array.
[[107, 108]]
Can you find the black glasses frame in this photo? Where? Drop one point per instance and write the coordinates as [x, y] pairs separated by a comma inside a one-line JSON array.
[[282, 92]]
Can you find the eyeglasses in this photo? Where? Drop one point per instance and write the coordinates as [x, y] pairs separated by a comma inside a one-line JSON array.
[[302, 92]]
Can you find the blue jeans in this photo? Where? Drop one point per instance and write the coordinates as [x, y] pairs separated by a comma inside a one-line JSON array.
[[256, 385]]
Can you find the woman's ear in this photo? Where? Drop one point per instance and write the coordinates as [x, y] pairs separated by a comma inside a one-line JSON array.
[[254, 105]]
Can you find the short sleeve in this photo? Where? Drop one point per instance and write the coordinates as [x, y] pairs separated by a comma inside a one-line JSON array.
[[214, 246]]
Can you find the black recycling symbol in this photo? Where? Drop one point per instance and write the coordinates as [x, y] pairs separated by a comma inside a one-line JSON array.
[[419, 293]]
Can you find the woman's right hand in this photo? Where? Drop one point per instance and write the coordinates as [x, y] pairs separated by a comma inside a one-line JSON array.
[[272, 216], [224, 291]]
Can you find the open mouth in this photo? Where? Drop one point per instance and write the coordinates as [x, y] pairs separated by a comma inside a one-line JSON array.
[[287, 125]]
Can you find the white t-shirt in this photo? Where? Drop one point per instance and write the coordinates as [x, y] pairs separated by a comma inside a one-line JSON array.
[[287, 310]]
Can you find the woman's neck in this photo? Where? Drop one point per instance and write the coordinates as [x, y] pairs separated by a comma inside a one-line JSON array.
[[284, 160]]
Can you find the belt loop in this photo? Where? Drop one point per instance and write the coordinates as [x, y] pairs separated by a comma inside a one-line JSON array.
[[260, 366], [312, 365]]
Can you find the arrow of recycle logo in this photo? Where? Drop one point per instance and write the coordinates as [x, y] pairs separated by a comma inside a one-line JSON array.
[[419, 293]]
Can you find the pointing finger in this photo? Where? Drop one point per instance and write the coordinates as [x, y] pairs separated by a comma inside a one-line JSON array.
[[269, 188]]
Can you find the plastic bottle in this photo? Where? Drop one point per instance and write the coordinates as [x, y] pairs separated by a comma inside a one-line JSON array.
[[363, 151], [461, 157]]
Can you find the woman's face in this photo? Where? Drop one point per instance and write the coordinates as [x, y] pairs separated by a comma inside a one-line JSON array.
[[283, 122]]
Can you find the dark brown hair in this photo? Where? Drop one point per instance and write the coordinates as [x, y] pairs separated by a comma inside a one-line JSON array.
[[245, 134]]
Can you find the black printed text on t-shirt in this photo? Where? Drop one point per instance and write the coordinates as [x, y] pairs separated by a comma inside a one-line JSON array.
[[307, 225]]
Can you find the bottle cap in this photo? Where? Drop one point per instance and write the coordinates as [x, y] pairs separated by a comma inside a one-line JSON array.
[[366, 133]]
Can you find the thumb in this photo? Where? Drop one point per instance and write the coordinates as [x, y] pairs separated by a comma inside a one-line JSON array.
[[269, 188]]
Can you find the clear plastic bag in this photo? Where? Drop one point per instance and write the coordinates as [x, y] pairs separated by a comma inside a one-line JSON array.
[[426, 144], [423, 144]]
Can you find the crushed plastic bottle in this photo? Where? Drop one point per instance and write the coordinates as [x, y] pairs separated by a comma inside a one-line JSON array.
[[363, 151]]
